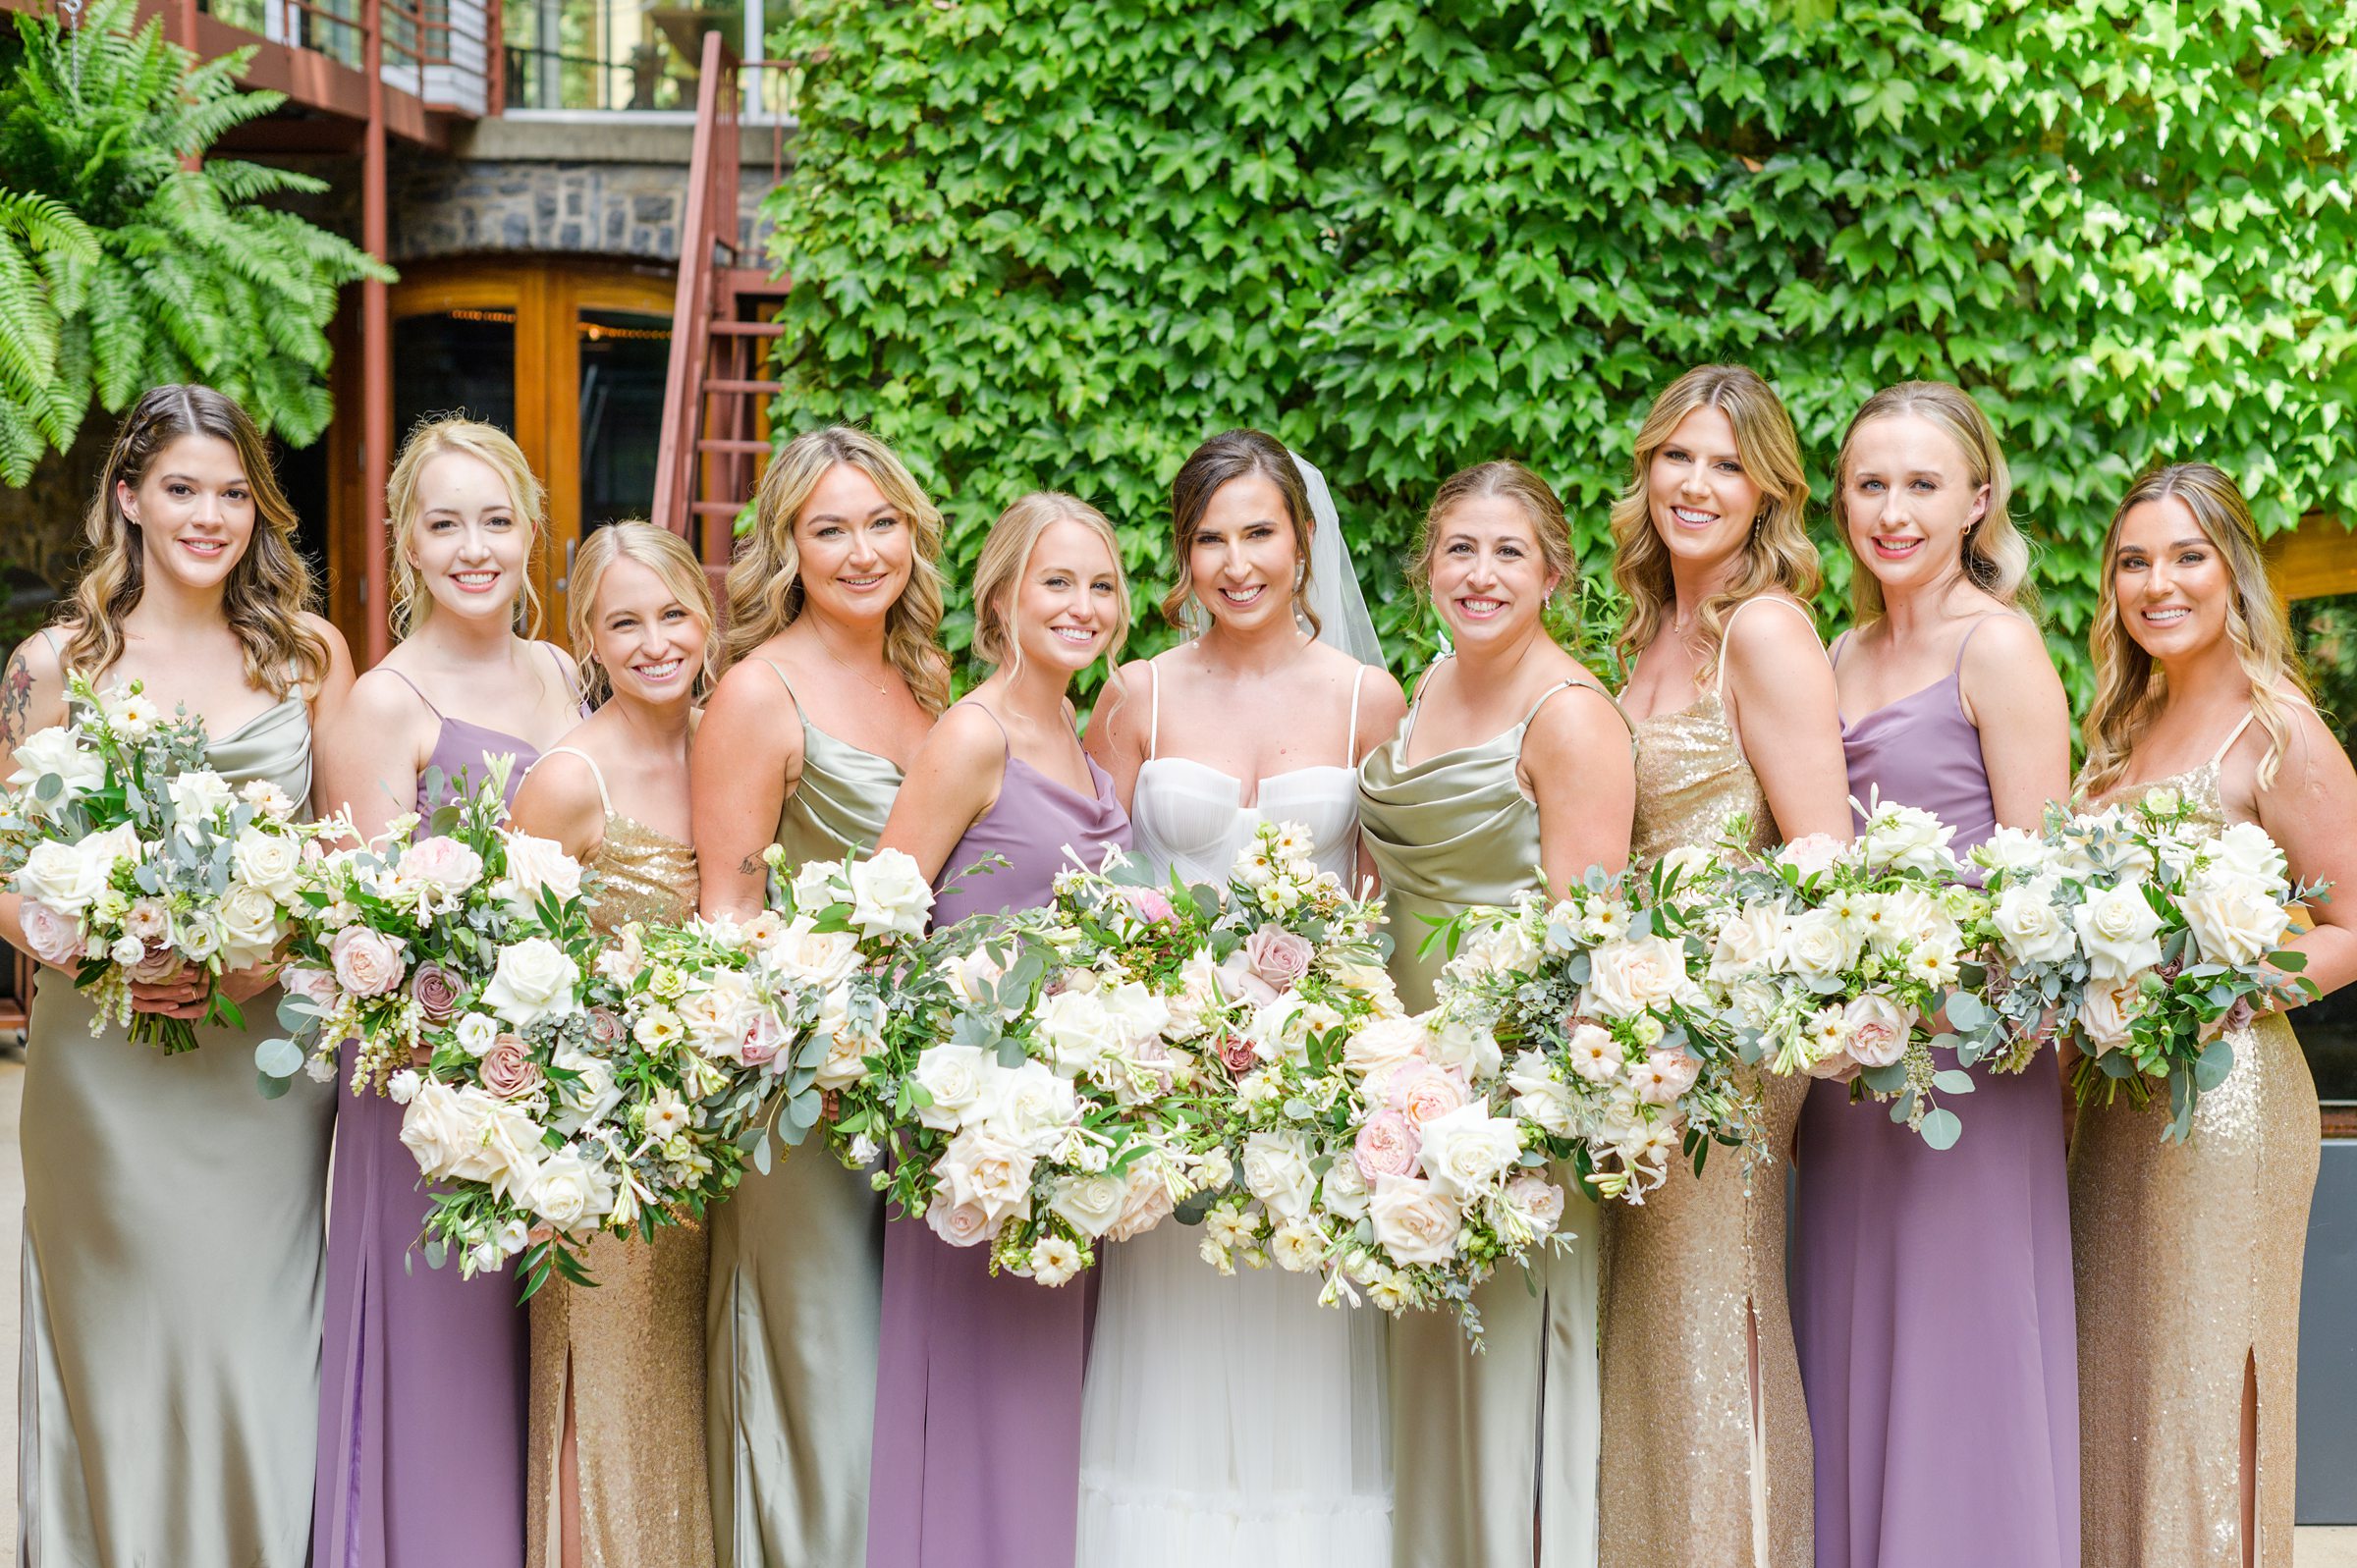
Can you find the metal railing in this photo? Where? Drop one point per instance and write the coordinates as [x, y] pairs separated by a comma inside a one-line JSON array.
[[441, 52]]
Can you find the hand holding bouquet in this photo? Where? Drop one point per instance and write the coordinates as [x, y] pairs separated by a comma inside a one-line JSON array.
[[139, 863]]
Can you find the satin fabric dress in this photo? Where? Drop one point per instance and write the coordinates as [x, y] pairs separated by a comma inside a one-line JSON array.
[[1931, 1288], [1493, 1456], [1694, 1271], [169, 1398], [977, 1414], [631, 1347], [421, 1395], [798, 1266], [1231, 1420], [2188, 1258]]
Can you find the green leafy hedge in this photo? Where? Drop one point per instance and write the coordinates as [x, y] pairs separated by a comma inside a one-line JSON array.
[[123, 268], [1054, 245]]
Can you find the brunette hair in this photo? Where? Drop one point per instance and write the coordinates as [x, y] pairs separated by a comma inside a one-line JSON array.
[[1226, 457], [1501, 476]]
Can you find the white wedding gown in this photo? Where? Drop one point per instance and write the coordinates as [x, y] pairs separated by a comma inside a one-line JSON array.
[[1231, 1420]]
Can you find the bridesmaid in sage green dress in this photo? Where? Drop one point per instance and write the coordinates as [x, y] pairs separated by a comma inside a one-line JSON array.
[[172, 1218], [835, 678], [1700, 1376], [1512, 764]]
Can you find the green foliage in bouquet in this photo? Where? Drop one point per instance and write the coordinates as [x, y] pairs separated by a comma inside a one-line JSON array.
[[1037, 245], [122, 267]]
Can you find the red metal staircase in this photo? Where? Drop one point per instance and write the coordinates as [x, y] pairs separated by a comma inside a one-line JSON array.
[[715, 431]]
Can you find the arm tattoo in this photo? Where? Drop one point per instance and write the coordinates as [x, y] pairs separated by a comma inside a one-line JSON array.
[[753, 865], [16, 701]]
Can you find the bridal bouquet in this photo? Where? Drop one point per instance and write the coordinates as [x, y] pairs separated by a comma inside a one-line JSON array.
[[136, 860], [1019, 1089], [2150, 936], [1830, 959], [1616, 1047]]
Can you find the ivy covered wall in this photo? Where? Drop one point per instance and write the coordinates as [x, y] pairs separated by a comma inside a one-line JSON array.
[[1052, 245]]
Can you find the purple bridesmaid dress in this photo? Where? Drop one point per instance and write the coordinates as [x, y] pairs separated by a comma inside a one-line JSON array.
[[978, 1438], [1932, 1289], [423, 1377]]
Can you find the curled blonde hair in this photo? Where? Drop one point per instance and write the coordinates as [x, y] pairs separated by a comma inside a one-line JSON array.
[[765, 583], [268, 587], [999, 571], [1993, 556], [2131, 690], [659, 551], [403, 506], [1500, 478], [1779, 553]]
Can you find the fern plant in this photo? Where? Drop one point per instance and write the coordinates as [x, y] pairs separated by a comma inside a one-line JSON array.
[[125, 262]]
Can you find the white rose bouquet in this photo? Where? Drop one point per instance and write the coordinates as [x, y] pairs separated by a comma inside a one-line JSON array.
[[2147, 936], [1615, 1049], [1829, 959], [135, 859]]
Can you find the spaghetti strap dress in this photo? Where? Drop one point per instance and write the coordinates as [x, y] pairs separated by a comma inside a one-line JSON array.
[[169, 1376], [978, 1412], [1694, 1279], [1931, 1289], [1494, 1455], [628, 1350], [422, 1394], [797, 1265], [2188, 1258]]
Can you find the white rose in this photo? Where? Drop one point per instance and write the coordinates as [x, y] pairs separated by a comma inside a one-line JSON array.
[[195, 796], [1537, 1202], [1815, 946], [1135, 1013], [816, 885], [1468, 1150], [1875, 1030], [2032, 927], [1076, 1030], [534, 865], [1090, 1203], [249, 925], [1344, 1190], [962, 1081], [1473, 1049], [1276, 1170], [533, 980], [2015, 851], [2118, 931], [1906, 839], [1539, 1098], [587, 1098], [2233, 917], [1747, 943], [2107, 1011], [804, 956], [988, 1172], [1384, 1041], [961, 1224], [1414, 1220], [65, 877], [890, 895], [1034, 1105], [569, 1192], [1626, 978], [465, 1134], [271, 861], [477, 1031], [54, 751], [128, 953], [975, 977], [716, 1015], [2245, 848]]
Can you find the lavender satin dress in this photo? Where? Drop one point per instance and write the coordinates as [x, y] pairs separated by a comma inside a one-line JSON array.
[[421, 1386], [1932, 1289], [977, 1435]]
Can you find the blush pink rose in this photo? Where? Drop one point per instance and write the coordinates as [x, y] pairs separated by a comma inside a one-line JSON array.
[[508, 1070], [961, 1224], [368, 962], [1144, 1205], [1537, 1197], [1238, 982], [1278, 957], [314, 986], [1811, 854], [161, 964], [762, 1038], [443, 863], [1237, 1056], [1427, 1093], [1669, 1074], [436, 990], [1875, 1030], [605, 1026], [1151, 905], [1387, 1146], [54, 938]]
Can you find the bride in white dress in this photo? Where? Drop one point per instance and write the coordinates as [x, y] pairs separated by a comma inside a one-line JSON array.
[[1238, 1422]]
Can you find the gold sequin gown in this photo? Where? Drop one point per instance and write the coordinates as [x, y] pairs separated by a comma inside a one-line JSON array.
[[1493, 1455], [634, 1343], [798, 1278], [2188, 1258], [1690, 1478]]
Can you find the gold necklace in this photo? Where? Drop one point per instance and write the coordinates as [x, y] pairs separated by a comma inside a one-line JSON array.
[[881, 691]]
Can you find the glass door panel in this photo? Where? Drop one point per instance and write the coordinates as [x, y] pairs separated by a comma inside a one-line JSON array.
[[454, 361]]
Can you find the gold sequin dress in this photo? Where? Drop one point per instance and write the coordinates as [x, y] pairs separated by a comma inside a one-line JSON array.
[[1493, 1455], [632, 1345], [2188, 1258], [1694, 1278]]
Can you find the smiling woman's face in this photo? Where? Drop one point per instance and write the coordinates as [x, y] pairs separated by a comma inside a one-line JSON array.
[[195, 509], [1489, 576], [2172, 586], [1700, 499]]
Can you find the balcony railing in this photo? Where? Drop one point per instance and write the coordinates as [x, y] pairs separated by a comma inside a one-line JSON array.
[[440, 52]]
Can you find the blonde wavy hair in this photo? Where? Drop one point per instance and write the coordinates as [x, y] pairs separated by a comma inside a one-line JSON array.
[[2131, 690], [1993, 556], [999, 572], [268, 587], [765, 582], [1779, 553], [1506, 477], [412, 603], [659, 551]]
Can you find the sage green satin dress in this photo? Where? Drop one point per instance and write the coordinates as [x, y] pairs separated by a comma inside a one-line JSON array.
[[174, 1228], [1493, 1456], [798, 1278]]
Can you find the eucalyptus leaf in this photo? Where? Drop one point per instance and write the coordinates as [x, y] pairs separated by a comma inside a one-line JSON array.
[[1940, 1129]]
